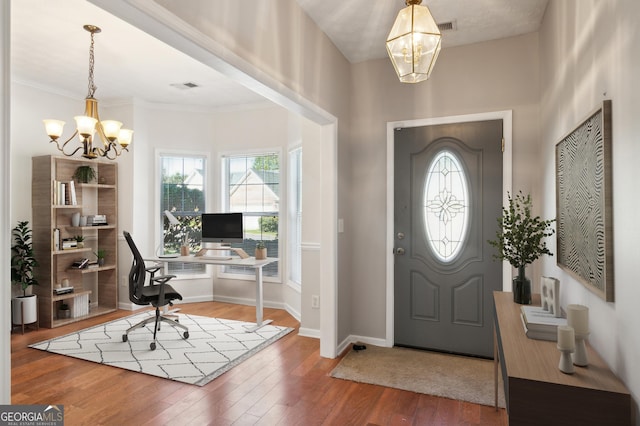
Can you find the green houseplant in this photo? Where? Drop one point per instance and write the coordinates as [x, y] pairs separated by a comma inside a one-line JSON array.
[[261, 250], [23, 263], [84, 174], [520, 241], [101, 254]]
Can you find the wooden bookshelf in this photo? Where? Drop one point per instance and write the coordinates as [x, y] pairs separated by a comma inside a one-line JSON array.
[[99, 285], [538, 393]]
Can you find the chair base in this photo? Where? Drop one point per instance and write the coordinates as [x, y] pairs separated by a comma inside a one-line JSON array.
[[157, 320]]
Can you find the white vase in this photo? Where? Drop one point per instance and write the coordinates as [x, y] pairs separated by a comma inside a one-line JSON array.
[[75, 219], [26, 304]]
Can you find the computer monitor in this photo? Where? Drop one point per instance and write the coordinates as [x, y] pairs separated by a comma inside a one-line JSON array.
[[223, 228]]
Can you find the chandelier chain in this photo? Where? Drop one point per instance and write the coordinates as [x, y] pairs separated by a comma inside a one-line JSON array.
[[92, 86]]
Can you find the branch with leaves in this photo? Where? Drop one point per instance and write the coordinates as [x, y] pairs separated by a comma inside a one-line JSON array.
[[520, 237]]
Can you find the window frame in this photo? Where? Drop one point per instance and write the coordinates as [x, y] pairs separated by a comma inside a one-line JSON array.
[[223, 187], [159, 233], [294, 217]]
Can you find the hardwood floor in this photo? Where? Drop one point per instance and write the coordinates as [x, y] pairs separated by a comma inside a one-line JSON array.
[[287, 383]]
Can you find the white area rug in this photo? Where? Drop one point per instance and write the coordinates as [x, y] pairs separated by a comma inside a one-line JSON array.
[[214, 346]]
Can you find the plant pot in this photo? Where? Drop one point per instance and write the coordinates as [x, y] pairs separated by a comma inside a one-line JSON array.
[[261, 253], [521, 288], [27, 306], [184, 251], [64, 313], [101, 261]]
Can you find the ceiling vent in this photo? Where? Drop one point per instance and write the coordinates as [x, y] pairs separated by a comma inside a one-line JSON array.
[[448, 26], [184, 86]]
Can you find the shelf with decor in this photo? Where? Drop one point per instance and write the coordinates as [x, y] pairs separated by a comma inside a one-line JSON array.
[[61, 205]]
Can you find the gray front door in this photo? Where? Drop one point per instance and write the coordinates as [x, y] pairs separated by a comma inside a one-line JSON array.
[[448, 194]]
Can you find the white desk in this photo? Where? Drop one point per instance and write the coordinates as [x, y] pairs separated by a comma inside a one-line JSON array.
[[250, 262]]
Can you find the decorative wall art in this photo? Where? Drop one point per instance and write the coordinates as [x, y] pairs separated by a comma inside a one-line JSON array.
[[583, 203]]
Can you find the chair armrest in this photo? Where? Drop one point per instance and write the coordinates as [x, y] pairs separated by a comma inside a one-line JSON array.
[[161, 280], [153, 269]]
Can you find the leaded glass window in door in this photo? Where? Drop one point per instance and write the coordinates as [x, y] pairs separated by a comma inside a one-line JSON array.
[[446, 206]]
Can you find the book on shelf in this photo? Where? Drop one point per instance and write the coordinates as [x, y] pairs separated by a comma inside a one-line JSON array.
[[63, 290], [56, 239], [80, 264], [72, 194], [540, 324], [69, 243], [64, 193]]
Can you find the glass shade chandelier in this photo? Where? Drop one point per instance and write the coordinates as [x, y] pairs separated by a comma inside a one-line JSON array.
[[414, 43], [114, 138]]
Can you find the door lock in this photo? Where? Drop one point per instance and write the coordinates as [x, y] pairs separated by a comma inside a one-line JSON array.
[[399, 251], [401, 235]]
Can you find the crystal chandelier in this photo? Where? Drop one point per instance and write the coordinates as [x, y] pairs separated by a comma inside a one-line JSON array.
[[414, 42], [114, 138]]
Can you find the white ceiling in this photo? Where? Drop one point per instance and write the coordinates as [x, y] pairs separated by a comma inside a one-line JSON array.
[[50, 49]]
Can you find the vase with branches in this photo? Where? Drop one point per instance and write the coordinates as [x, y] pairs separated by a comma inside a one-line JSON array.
[[520, 241]]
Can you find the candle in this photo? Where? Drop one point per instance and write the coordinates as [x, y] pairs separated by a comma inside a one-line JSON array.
[[566, 338], [578, 318]]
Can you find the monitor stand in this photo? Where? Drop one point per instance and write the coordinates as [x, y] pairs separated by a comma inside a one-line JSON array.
[[243, 254]]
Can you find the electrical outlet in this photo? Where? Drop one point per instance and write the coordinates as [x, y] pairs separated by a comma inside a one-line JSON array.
[[315, 301]]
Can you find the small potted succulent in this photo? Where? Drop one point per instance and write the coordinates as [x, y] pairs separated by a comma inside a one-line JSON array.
[[63, 311], [261, 251], [101, 254], [79, 240]]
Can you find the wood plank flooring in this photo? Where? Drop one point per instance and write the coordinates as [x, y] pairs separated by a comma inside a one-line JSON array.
[[287, 383]]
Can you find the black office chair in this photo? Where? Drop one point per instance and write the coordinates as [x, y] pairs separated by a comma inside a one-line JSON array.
[[157, 293]]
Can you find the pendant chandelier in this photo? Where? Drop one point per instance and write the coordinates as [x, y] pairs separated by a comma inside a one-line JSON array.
[[414, 42], [114, 138]]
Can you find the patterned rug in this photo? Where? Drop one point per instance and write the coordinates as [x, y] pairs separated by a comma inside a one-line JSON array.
[[214, 346]]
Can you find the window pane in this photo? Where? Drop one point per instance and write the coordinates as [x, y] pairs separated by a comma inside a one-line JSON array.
[[446, 206], [182, 194], [253, 188]]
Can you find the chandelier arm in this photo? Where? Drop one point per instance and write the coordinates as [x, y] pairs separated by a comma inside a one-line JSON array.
[[64, 144]]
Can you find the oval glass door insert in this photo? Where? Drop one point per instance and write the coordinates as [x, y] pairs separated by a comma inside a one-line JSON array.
[[446, 206]]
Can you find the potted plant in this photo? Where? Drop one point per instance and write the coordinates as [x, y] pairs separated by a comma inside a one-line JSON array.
[[23, 263], [84, 174], [261, 250], [79, 240], [519, 240], [101, 254], [63, 311]]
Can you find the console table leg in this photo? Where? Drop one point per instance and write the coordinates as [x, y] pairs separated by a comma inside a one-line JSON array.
[[495, 367]]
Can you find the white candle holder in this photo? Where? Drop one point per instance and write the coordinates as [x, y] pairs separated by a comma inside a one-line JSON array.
[[566, 365], [580, 355]]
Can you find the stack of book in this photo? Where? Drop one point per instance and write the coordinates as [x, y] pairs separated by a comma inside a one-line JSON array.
[[540, 324]]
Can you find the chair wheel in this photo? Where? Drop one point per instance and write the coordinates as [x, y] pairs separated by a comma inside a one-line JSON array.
[[125, 337], [153, 346], [186, 334]]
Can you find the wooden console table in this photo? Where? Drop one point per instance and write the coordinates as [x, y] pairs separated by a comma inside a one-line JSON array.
[[537, 392]]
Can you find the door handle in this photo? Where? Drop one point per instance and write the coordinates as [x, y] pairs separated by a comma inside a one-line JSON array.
[[399, 251]]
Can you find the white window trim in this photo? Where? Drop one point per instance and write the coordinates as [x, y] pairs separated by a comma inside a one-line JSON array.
[[159, 153], [222, 186], [289, 244]]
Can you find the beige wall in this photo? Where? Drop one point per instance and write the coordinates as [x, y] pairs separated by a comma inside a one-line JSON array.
[[485, 77], [589, 52]]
